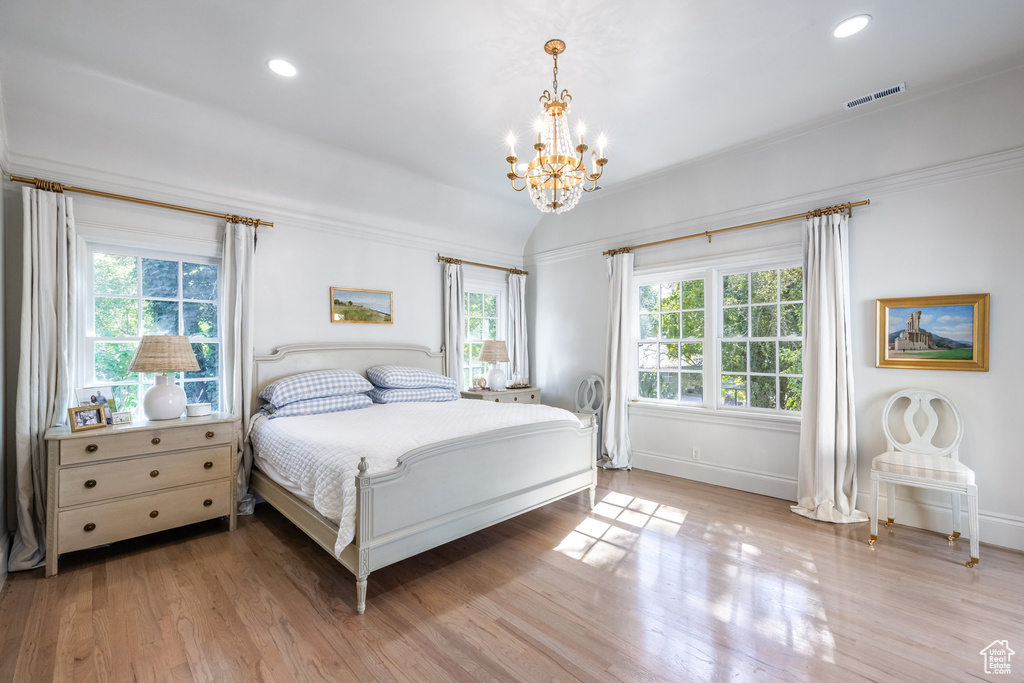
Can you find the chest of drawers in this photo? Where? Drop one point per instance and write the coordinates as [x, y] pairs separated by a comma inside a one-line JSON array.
[[123, 481]]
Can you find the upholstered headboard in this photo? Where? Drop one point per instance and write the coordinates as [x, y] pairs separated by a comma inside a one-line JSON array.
[[295, 358]]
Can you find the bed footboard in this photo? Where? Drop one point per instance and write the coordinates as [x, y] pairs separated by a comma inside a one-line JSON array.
[[448, 490]]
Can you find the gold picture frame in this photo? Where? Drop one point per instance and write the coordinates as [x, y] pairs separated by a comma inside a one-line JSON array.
[[372, 306], [86, 417], [932, 332]]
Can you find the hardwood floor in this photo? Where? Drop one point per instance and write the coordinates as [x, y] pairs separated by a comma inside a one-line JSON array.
[[667, 580]]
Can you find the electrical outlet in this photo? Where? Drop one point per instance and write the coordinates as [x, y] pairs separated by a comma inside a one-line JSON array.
[[695, 453]]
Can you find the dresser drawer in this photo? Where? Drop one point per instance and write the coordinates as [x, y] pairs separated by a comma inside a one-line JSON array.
[[122, 444], [86, 527], [532, 396], [94, 483]]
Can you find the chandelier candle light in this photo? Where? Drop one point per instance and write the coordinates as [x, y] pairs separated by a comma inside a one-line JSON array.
[[556, 177]]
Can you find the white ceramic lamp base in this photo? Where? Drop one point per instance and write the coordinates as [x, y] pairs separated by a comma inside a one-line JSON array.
[[496, 379], [165, 401]]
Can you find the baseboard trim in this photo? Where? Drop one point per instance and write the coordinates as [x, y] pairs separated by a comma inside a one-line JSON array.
[[762, 483], [1006, 531]]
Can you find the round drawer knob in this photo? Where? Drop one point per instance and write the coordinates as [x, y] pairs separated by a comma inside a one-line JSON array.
[[495, 400], [155, 473], [154, 514], [90, 483], [91, 448], [209, 435], [156, 440], [89, 527], [207, 465], [532, 397], [208, 502], [515, 398]]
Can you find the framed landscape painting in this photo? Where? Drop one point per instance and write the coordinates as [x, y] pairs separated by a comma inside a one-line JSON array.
[[360, 306], [933, 332]]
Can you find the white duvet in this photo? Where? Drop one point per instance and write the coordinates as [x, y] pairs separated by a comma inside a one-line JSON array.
[[316, 457]]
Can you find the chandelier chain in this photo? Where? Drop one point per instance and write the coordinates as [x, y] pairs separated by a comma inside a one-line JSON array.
[[554, 76]]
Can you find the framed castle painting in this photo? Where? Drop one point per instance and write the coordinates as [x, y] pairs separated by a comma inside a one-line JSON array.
[[932, 332]]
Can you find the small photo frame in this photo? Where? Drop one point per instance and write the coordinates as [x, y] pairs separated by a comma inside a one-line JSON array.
[[932, 332], [479, 383], [121, 418], [90, 396], [361, 306], [87, 417]]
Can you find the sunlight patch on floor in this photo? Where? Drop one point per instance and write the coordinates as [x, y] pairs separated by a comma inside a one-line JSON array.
[[598, 542]]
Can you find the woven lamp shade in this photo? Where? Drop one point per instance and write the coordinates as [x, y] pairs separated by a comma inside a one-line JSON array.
[[168, 353], [494, 352]]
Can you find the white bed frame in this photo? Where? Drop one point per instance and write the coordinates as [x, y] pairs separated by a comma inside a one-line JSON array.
[[437, 493]]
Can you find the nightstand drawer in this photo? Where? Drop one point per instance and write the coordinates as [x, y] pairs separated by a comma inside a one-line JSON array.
[[94, 483], [518, 396], [123, 444], [129, 517]]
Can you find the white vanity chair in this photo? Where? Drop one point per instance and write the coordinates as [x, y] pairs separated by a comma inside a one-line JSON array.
[[918, 462]]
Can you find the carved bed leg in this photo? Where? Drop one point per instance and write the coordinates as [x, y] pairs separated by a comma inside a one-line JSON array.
[[360, 595]]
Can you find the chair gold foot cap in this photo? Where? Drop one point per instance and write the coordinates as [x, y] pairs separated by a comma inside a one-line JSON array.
[[972, 562], [892, 520], [873, 539], [953, 536]]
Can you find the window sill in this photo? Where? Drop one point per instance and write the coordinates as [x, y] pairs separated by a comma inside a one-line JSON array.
[[733, 418]]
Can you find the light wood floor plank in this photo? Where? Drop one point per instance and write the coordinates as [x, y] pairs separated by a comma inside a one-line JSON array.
[[666, 580]]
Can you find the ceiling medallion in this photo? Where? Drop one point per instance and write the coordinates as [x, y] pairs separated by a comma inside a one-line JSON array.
[[556, 177]]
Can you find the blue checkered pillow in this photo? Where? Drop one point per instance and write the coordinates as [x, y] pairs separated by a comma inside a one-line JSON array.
[[421, 395], [315, 406], [316, 384], [402, 377]]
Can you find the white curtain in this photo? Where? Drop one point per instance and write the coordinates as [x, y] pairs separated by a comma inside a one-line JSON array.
[[617, 453], [827, 476], [48, 344], [453, 320], [236, 297], [518, 353]]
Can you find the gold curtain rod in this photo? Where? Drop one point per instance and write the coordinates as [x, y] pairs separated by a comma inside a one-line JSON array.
[[708, 233], [514, 271], [52, 186]]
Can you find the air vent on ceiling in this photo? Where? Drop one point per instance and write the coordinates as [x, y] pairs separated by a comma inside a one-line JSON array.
[[885, 92]]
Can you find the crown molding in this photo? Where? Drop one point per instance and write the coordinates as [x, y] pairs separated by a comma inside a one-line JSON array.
[[283, 218], [987, 164]]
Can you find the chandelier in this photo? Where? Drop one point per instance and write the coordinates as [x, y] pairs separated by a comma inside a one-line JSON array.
[[557, 176]]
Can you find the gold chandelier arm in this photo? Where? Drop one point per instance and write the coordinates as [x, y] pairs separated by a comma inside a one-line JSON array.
[[513, 177]]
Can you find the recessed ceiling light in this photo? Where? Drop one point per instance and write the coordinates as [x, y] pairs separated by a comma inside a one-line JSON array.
[[850, 26], [281, 67]]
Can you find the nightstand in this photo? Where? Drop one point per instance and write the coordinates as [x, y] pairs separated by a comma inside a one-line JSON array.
[[526, 395], [122, 481]]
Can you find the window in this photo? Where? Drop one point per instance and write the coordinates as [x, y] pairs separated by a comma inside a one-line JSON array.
[[722, 338], [133, 295], [483, 313], [671, 349], [762, 339]]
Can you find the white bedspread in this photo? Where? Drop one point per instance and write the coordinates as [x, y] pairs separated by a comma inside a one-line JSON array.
[[317, 456]]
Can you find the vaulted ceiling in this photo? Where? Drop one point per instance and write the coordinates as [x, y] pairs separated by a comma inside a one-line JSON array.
[[432, 88]]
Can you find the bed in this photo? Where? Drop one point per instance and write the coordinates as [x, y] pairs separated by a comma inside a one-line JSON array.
[[438, 492]]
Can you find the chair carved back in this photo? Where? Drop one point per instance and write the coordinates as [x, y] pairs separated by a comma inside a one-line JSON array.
[[920, 440], [590, 395]]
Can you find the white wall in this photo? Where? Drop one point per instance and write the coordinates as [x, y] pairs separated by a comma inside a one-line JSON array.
[[4, 535], [944, 174]]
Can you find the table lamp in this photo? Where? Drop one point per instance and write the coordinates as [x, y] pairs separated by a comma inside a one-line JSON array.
[[494, 352], [164, 354]]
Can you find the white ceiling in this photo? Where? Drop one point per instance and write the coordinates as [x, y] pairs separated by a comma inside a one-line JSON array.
[[434, 87]]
